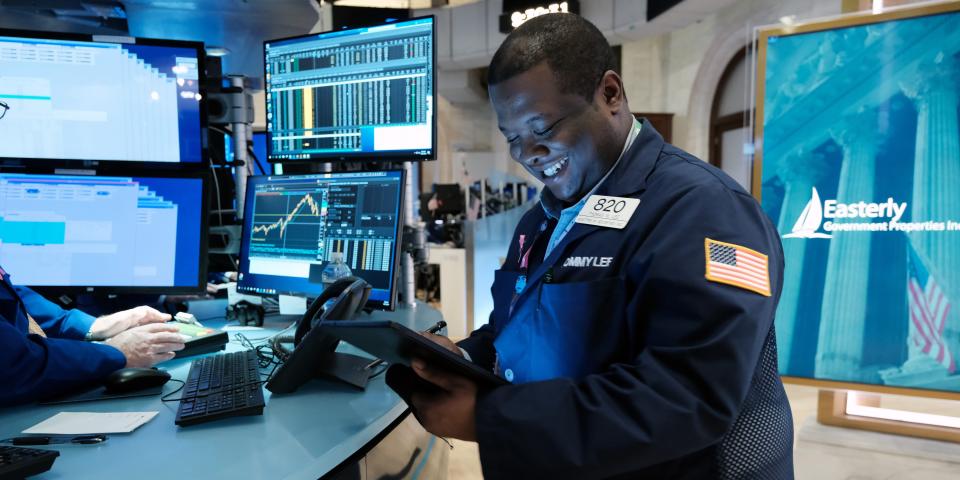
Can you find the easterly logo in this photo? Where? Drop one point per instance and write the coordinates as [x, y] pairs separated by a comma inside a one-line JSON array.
[[811, 218]]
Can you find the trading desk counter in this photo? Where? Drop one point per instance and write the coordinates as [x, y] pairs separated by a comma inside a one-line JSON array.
[[307, 434]]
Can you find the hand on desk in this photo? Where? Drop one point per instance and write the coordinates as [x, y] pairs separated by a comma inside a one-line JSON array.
[[111, 325], [148, 345], [449, 413]]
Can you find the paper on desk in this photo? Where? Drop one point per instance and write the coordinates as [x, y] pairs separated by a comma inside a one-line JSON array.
[[82, 423], [292, 305]]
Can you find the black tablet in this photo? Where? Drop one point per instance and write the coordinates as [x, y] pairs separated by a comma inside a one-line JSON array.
[[398, 345]]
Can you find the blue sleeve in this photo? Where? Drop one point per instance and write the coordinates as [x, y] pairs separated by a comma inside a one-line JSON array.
[[34, 368], [677, 396], [55, 321]]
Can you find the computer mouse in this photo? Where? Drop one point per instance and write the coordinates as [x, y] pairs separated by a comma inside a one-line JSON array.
[[133, 379]]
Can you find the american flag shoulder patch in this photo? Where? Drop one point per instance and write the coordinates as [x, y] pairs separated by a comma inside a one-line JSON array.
[[737, 266]]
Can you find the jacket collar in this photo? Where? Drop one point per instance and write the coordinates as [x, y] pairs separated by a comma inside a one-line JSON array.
[[628, 178]]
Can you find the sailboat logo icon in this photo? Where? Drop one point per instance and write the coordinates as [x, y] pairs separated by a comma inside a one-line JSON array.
[[810, 220]]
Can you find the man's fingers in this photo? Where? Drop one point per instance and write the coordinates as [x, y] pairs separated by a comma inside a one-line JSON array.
[[439, 378], [165, 337], [160, 327], [163, 357], [166, 347], [152, 315], [442, 341]]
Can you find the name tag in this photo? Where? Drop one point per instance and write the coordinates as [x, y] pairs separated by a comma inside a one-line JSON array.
[[610, 212]]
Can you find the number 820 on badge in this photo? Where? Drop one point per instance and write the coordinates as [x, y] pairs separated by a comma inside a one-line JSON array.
[[610, 212]]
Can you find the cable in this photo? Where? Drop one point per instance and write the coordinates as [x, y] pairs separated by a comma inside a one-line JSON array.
[[223, 130], [163, 398], [253, 155], [379, 372]]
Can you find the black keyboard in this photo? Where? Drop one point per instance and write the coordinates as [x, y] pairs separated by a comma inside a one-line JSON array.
[[19, 462], [221, 386]]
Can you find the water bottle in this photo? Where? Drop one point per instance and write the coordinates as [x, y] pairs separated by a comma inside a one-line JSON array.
[[333, 271]]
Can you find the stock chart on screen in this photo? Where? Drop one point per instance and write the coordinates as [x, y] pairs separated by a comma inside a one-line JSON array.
[[294, 224]]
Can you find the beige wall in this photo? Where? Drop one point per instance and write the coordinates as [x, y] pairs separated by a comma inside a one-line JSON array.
[[676, 72]]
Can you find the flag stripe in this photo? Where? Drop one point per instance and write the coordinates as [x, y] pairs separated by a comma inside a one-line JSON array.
[[758, 271], [737, 278], [751, 260], [760, 281], [929, 322], [923, 322]]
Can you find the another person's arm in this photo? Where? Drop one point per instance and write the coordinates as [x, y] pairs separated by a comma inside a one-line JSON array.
[[33, 367], [74, 324]]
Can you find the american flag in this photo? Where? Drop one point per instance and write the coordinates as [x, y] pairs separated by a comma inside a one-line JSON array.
[[928, 311], [738, 266]]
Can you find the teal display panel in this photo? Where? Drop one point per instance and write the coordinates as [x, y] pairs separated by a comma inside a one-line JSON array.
[[858, 142]]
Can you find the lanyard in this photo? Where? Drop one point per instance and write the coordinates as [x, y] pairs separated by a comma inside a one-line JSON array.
[[524, 262]]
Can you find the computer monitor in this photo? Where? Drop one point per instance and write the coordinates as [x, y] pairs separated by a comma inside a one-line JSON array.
[[292, 224], [857, 138], [119, 234], [77, 97], [365, 92]]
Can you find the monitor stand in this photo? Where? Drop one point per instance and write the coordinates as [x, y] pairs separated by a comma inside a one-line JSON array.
[[351, 369]]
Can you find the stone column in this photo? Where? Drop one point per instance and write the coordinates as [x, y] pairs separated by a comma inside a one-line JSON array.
[[936, 179], [800, 172], [844, 310]]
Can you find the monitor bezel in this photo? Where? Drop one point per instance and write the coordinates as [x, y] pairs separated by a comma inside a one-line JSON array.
[[397, 250], [763, 36], [201, 281], [94, 163], [388, 156]]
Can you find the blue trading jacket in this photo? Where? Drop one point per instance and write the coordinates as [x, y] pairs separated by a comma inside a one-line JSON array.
[[33, 367], [626, 361]]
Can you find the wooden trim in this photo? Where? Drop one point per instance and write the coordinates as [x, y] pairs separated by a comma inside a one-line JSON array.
[[863, 18], [732, 121], [832, 410], [849, 6], [848, 20], [867, 387]]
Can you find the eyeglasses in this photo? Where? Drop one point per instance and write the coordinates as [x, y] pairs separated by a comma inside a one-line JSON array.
[[3, 110]]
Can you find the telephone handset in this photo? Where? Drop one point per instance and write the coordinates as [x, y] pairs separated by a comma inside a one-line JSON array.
[[313, 351], [350, 294]]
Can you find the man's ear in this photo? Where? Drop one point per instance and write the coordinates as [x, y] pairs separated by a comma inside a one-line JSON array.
[[611, 91]]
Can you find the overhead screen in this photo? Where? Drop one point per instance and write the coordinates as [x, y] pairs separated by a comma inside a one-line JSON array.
[[858, 135], [119, 233], [292, 225], [365, 92], [73, 99]]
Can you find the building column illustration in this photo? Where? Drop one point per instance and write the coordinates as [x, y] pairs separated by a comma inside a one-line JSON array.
[[844, 309], [800, 176], [936, 177]]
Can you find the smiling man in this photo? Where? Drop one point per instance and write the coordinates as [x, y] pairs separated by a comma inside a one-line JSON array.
[[634, 313]]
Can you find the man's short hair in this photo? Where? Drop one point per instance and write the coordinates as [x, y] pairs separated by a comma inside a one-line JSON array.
[[574, 49]]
